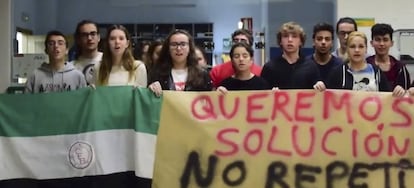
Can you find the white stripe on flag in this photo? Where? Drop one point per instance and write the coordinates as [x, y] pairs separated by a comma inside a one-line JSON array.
[[86, 154]]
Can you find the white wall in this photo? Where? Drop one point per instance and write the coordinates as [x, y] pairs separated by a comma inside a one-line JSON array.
[[5, 45], [398, 13]]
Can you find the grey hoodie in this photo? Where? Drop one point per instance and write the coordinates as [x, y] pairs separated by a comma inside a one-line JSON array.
[[44, 79]]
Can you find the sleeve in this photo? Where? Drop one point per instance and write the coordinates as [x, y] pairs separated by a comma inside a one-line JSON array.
[[256, 69], [214, 76], [141, 75], [208, 82], [266, 85], [88, 73], [224, 83], [95, 74], [317, 74], [334, 78], [82, 80], [267, 75], [30, 84], [403, 78], [154, 74]]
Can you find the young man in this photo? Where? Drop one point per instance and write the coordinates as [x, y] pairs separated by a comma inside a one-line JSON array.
[[290, 71], [58, 75], [87, 39], [220, 72], [344, 27], [395, 71], [323, 42]]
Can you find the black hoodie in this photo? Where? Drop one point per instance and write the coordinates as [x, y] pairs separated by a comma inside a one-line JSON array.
[[300, 75], [341, 78]]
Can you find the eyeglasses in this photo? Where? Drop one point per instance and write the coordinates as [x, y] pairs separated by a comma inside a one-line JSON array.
[[343, 33], [175, 45], [237, 40], [93, 34], [52, 43]]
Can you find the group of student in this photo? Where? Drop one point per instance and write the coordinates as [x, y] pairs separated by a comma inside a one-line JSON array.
[[176, 63]]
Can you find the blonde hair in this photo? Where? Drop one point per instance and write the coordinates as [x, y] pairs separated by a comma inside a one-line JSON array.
[[291, 27], [354, 34]]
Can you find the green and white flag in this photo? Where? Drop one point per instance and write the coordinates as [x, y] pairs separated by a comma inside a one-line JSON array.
[[84, 133]]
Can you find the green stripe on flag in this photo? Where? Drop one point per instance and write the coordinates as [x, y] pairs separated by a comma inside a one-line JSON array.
[[80, 111]]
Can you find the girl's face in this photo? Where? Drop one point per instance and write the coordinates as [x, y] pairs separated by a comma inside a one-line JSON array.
[[357, 49], [144, 53], [118, 42], [200, 58], [179, 47], [156, 54], [242, 60]]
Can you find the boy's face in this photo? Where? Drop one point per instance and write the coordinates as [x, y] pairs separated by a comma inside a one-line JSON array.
[[290, 42], [344, 29], [323, 42], [382, 44], [89, 37], [241, 38], [56, 48]]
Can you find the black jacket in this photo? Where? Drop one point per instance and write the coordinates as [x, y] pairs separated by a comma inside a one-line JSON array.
[[167, 82], [299, 75], [397, 75], [342, 78]]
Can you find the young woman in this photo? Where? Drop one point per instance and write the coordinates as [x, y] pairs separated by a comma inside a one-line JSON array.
[[141, 50], [241, 55], [153, 54], [118, 66], [201, 57], [357, 74], [177, 67]]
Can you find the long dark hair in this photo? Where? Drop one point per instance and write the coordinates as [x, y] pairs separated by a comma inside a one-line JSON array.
[[151, 50], [106, 63], [165, 64], [78, 35], [138, 53]]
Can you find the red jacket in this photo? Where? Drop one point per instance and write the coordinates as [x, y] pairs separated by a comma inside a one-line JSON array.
[[225, 70]]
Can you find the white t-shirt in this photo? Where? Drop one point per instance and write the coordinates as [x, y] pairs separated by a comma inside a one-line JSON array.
[[86, 66], [179, 77], [120, 77], [364, 80]]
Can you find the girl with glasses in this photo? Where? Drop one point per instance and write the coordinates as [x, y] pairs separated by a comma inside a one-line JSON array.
[[177, 67]]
